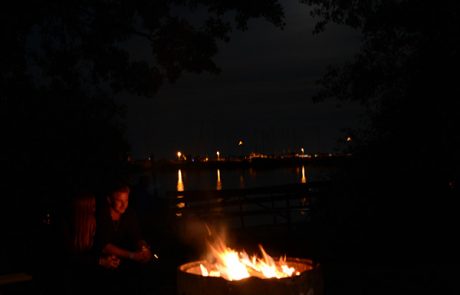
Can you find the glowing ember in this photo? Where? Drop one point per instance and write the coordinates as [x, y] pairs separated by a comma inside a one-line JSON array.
[[232, 265]]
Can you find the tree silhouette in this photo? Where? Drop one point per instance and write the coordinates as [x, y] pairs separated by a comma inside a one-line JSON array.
[[398, 194], [63, 62]]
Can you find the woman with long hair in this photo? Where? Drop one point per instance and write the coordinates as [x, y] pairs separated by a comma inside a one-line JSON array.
[[84, 261], [83, 223]]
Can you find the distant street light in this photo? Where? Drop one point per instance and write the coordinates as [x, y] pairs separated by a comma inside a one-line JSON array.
[[179, 155], [240, 144], [218, 155]]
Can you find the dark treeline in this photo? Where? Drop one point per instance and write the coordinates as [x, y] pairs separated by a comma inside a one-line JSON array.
[[407, 161], [62, 65], [394, 207]]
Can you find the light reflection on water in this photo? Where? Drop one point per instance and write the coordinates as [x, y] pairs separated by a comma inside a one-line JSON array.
[[175, 184], [304, 178], [221, 179], [180, 183]]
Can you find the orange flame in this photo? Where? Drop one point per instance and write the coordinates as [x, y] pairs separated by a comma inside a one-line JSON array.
[[232, 265]]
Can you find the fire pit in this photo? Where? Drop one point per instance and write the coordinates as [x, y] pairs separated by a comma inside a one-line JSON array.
[[230, 272]]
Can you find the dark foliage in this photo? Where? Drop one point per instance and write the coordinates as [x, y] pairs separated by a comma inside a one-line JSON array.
[[395, 205], [403, 74], [62, 64]]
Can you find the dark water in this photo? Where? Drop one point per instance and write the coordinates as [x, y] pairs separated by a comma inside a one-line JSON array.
[[164, 184], [159, 183]]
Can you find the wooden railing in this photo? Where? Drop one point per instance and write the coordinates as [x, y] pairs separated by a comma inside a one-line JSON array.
[[274, 205]]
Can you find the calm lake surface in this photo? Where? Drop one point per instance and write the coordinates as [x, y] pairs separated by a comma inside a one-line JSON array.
[[159, 183]]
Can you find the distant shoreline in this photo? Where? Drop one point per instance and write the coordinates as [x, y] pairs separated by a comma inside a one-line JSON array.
[[243, 163]]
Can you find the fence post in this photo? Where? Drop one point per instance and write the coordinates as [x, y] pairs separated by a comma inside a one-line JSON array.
[[241, 197]]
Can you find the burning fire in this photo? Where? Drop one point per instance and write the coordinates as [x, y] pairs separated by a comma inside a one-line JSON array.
[[232, 265]]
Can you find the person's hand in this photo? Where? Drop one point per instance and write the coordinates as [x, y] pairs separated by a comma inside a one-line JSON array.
[[140, 256], [145, 254], [110, 262]]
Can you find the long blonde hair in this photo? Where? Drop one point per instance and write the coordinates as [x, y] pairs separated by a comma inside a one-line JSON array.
[[84, 222]]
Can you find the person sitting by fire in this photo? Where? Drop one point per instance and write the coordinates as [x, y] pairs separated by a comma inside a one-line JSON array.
[[119, 234], [82, 260]]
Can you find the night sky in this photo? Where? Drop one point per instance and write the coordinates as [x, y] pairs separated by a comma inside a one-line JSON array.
[[262, 96]]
